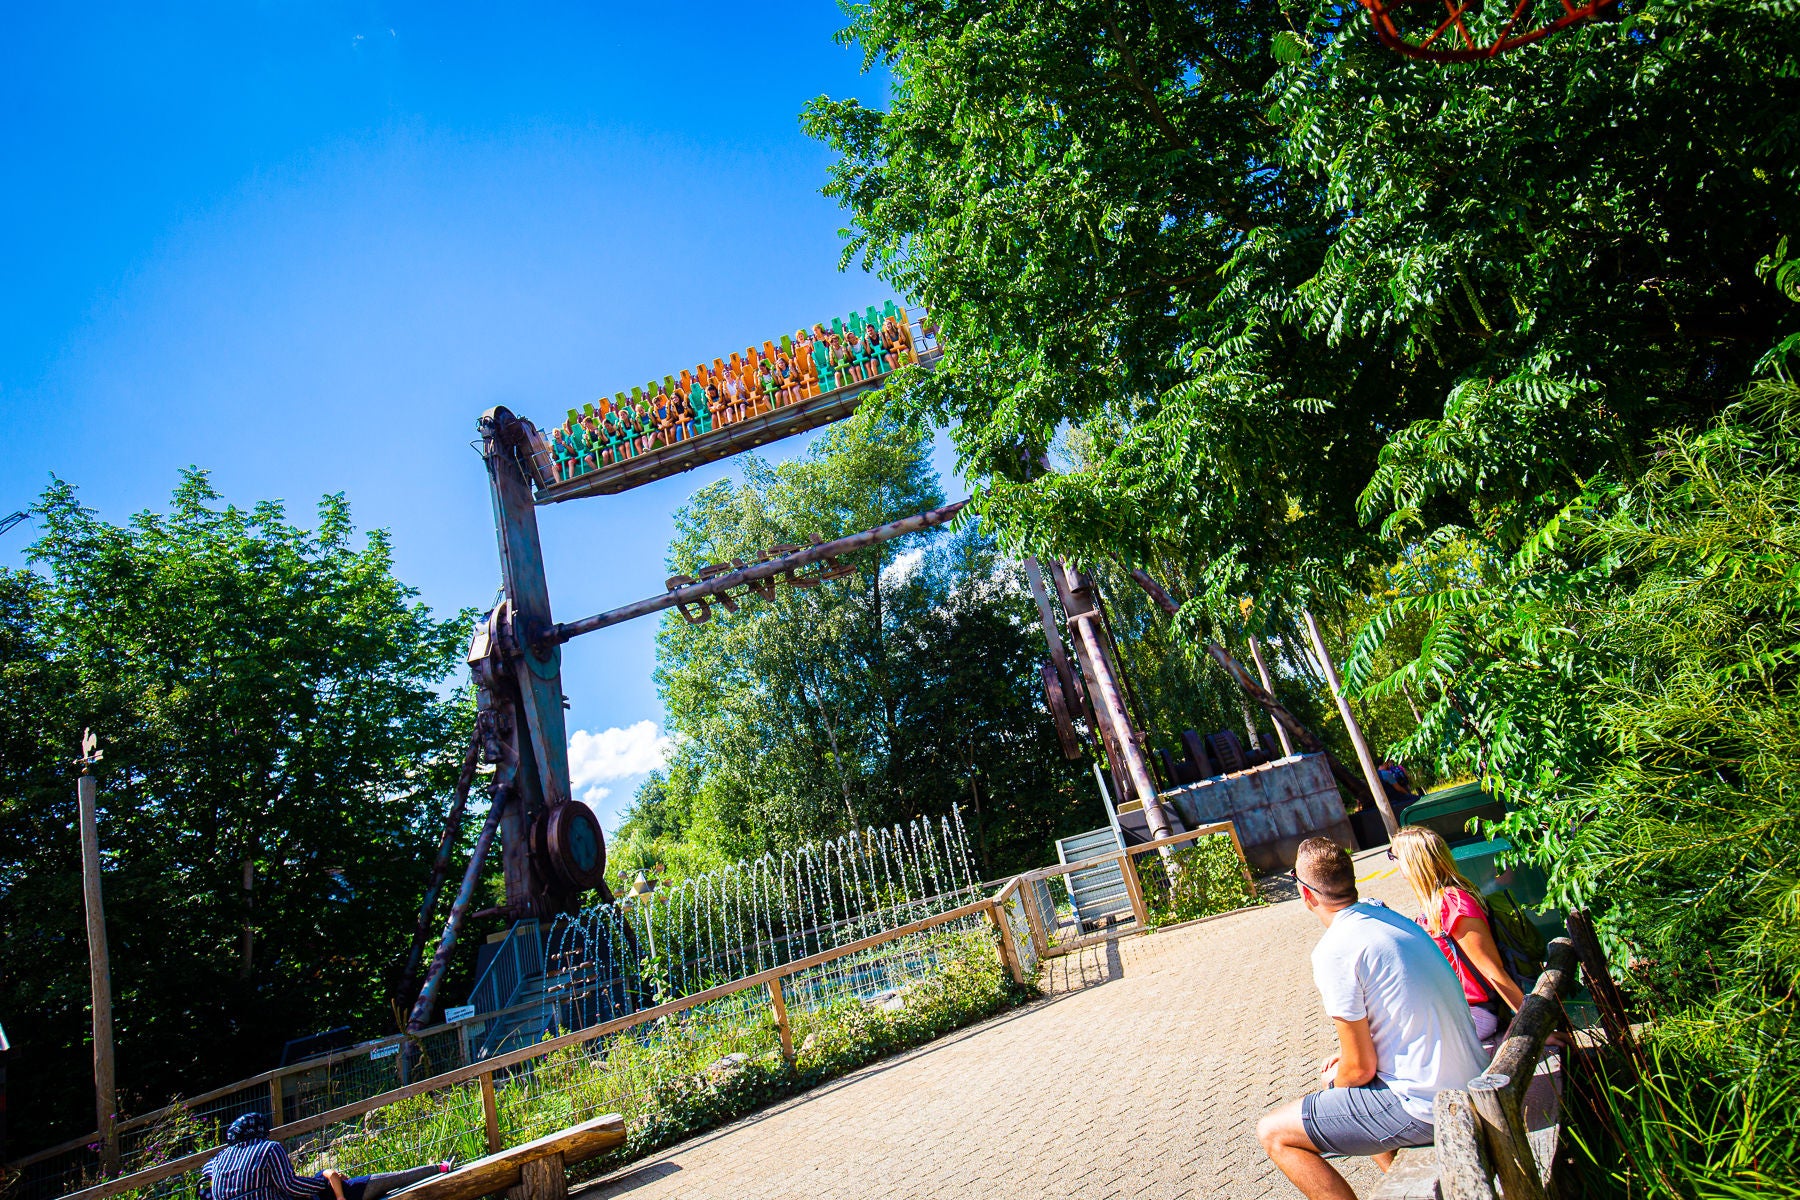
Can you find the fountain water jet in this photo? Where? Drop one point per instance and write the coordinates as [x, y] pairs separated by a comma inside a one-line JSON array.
[[614, 959]]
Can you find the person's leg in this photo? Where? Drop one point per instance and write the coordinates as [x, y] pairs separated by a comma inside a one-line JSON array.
[[1284, 1139], [374, 1187]]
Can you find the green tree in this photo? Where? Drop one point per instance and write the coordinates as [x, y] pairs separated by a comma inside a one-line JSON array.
[[1631, 678], [897, 691], [279, 749], [1288, 285]]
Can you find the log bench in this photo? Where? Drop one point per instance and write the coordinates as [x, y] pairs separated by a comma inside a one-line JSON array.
[[533, 1171], [1505, 1127]]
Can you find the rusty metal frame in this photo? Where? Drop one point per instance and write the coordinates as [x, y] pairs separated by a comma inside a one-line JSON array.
[[1382, 18]]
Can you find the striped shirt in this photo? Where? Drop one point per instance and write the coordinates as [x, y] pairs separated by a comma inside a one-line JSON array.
[[258, 1170]]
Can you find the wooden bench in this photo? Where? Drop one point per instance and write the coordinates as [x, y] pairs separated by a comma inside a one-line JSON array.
[[1505, 1127], [534, 1171]]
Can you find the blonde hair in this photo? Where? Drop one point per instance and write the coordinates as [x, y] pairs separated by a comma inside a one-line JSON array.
[[1430, 870]]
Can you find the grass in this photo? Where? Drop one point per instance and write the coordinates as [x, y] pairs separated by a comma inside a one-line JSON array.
[[1677, 1131], [681, 1075]]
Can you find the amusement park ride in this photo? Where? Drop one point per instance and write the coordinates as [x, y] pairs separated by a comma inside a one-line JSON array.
[[552, 849]]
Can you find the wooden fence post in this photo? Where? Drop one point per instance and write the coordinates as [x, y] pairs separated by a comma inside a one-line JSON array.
[[1462, 1160], [543, 1178], [275, 1121], [1009, 955], [490, 1113], [1600, 982], [1243, 860], [778, 1002], [1134, 887], [1497, 1102]]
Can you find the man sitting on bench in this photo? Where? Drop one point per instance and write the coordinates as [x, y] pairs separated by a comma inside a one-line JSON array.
[[1403, 1030]]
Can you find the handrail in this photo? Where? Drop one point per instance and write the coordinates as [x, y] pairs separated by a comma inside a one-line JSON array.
[[990, 907], [1498, 1094], [1113, 856], [501, 1062]]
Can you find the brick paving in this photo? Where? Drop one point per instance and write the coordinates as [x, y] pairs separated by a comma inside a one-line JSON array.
[[1141, 1075]]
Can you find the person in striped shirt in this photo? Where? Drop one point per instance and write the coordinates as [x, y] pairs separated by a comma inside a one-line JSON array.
[[253, 1166]]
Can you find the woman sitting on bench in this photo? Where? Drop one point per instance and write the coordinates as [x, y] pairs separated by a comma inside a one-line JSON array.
[[1452, 913]]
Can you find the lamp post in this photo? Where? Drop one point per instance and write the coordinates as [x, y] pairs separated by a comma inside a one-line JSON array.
[[106, 1105]]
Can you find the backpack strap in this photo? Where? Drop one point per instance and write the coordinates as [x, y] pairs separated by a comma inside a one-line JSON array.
[[1499, 1007]]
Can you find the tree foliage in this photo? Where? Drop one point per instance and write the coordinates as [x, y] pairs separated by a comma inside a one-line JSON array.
[[1632, 672], [1298, 289], [897, 691], [279, 746]]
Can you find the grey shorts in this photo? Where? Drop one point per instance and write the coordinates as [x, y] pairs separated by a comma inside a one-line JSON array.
[[1361, 1121]]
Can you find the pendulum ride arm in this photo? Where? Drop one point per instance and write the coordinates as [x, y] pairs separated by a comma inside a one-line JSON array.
[[440, 867]]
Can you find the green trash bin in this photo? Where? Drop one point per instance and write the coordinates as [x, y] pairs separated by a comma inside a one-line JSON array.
[[1449, 811]]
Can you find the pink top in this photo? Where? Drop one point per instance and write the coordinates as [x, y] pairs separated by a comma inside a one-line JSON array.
[[1456, 905]]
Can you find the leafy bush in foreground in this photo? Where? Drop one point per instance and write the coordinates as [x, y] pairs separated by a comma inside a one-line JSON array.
[[1633, 675]]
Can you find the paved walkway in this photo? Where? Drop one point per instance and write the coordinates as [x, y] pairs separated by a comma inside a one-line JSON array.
[[1141, 1076]]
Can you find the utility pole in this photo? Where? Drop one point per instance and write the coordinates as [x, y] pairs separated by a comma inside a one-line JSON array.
[[1355, 731], [1262, 672], [106, 1106]]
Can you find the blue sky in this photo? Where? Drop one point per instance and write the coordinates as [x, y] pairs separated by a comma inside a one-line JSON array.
[[303, 246]]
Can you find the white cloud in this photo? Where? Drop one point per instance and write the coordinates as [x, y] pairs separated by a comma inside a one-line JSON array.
[[615, 756], [903, 568]]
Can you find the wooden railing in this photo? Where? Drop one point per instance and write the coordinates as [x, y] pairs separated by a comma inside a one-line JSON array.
[[1043, 925], [1020, 951], [485, 1070], [1499, 1136]]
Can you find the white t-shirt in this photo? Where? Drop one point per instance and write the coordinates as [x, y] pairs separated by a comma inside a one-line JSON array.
[[1374, 963]]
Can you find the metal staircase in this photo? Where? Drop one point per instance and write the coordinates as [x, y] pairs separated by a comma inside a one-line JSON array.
[[512, 988], [1097, 894]]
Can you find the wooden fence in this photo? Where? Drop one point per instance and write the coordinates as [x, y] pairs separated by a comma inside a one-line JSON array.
[[1025, 936], [1045, 931]]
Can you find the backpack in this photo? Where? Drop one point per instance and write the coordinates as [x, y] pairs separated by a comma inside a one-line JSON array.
[[1521, 945]]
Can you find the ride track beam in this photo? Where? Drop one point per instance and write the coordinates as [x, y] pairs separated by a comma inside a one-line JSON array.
[[755, 573]]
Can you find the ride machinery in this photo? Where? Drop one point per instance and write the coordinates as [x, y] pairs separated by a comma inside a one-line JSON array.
[[551, 846]]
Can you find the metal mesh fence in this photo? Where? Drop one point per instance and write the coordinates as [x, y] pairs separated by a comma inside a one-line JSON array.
[[843, 1011], [1056, 913], [1018, 924]]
